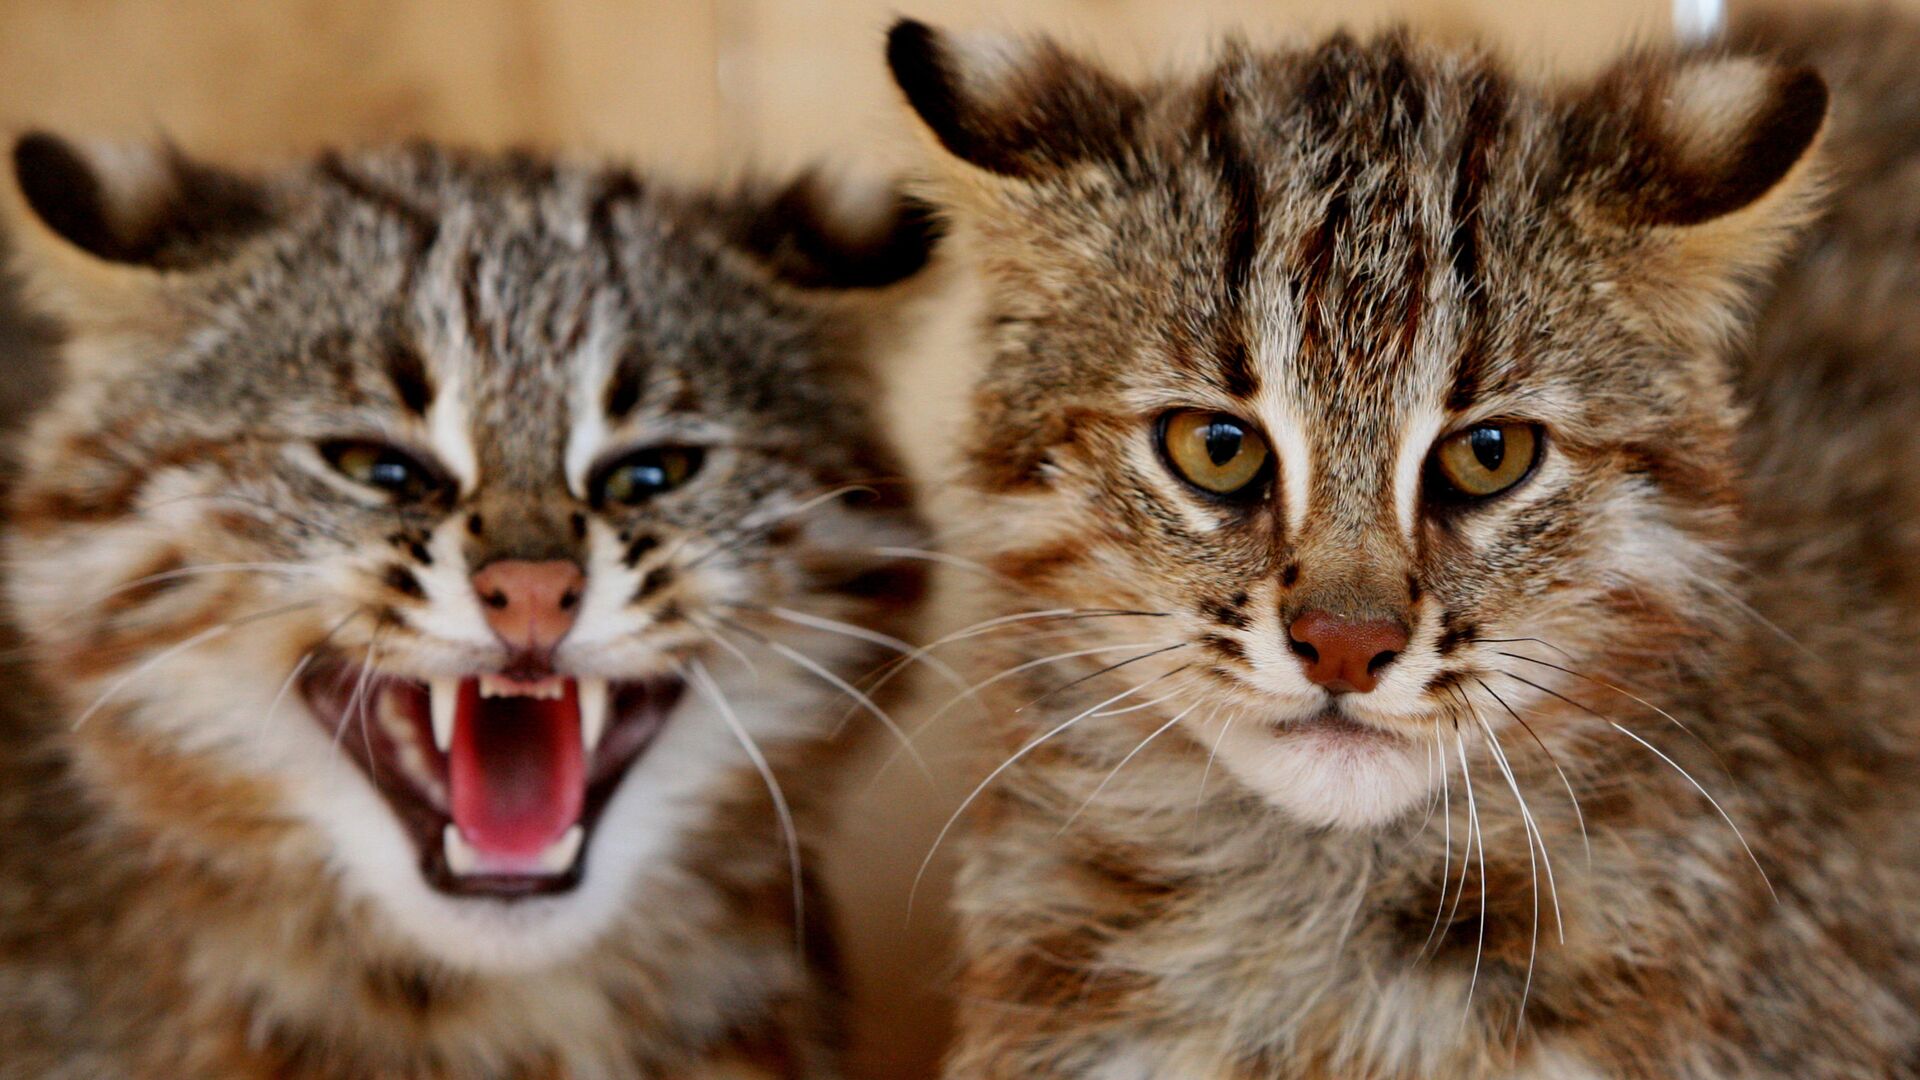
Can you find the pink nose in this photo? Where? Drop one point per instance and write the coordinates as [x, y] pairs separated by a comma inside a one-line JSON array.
[[530, 605], [1345, 654]]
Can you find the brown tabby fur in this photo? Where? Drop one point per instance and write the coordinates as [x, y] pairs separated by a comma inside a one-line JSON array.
[[1358, 247], [167, 908]]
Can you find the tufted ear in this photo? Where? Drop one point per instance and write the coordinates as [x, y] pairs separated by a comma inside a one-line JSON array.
[[1687, 143], [95, 228], [1710, 160], [1014, 107], [826, 235]]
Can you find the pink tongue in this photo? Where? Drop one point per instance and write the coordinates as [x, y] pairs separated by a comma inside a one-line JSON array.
[[516, 771]]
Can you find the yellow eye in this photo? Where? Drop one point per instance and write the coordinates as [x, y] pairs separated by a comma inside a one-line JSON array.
[[1485, 460], [1214, 451], [643, 474], [385, 468]]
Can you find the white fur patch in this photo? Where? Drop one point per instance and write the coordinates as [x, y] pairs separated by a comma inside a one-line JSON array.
[[450, 424], [1325, 778]]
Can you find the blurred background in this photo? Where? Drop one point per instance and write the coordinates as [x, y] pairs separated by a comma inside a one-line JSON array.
[[699, 88]]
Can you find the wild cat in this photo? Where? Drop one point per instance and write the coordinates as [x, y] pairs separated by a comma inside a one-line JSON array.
[[1439, 646], [434, 575]]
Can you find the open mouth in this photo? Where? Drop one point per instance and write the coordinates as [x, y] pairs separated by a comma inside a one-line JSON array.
[[498, 780]]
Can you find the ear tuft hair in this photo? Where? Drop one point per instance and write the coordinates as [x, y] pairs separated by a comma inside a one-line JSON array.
[[817, 234], [1692, 143], [1014, 108], [139, 205]]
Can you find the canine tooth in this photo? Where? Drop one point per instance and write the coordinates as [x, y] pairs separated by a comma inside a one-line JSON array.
[[559, 856], [461, 858], [593, 712], [444, 696]]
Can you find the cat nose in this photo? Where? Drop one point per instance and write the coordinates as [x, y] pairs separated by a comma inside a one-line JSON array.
[[530, 605], [1345, 655]]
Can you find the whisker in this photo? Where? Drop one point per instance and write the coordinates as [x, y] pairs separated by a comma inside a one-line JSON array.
[[1578, 815], [1028, 748], [177, 648], [1740, 602], [266, 720], [1446, 858], [1711, 801], [1475, 837], [1137, 708], [1090, 676], [892, 668], [1201, 795], [750, 531], [1142, 745], [208, 568], [941, 557], [1533, 836], [713, 634], [1632, 696], [861, 633], [814, 667], [711, 688]]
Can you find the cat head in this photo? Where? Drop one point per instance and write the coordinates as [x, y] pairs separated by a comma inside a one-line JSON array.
[[394, 506], [1357, 363]]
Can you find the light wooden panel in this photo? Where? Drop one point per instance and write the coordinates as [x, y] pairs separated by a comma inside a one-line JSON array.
[[263, 77]]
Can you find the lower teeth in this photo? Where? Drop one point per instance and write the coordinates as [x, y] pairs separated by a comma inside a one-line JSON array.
[[556, 859]]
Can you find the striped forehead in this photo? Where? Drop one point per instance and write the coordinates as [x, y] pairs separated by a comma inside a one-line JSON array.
[[513, 325], [1352, 184]]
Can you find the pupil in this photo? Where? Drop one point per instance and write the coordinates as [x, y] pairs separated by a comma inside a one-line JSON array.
[[1223, 442], [1489, 447], [389, 474], [646, 477]]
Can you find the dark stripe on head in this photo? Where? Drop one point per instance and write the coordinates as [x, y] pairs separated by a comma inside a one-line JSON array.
[[1485, 114], [1326, 89], [407, 369], [422, 223], [623, 388], [1240, 233], [469, 275], [619, 188]]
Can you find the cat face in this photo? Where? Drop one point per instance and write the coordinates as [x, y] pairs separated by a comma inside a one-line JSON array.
[[1351, 367], [396, 509]]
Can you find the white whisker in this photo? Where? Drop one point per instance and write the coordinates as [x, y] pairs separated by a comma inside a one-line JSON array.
[[781, 810], [1008, 764], [1157, 732], [176, 649]]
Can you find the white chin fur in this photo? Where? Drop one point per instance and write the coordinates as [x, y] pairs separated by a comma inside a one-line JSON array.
[[1326, 780]]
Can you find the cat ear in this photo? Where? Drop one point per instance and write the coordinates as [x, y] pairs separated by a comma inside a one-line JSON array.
[[95, 228], [1709, 160], [819, 234], [1015, 108]]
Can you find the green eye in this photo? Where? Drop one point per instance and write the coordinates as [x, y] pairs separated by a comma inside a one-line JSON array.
[[385, 468], [1214, 451], [643, 474], [1484, 460]]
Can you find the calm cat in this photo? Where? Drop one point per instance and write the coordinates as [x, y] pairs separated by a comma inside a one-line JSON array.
[[390, 569], [1435, 644]]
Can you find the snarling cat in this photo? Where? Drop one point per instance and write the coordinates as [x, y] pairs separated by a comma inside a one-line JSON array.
[[436, 575], [1437, 645]]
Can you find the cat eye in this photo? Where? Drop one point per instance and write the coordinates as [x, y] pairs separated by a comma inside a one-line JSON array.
[[1213, 451], [643, 474], [1484, 460], [385, 468]]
